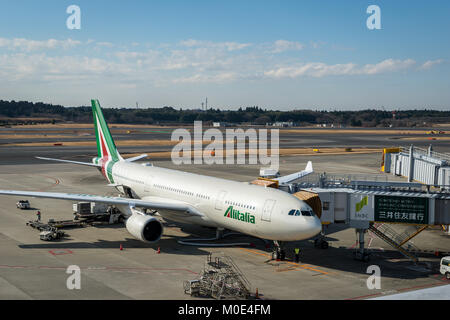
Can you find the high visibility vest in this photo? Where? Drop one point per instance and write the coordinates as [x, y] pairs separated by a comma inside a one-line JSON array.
[[297, 250]]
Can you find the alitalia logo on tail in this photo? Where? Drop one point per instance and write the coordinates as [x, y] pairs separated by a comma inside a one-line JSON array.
[[107, 153], [105, 143], [237, 215]]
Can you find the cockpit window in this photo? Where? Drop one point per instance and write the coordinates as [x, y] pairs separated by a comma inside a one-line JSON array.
[[295, 212], [307, 213]]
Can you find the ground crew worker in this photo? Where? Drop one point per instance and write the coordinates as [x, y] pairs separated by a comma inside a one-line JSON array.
[[38, 214], [297, 254]]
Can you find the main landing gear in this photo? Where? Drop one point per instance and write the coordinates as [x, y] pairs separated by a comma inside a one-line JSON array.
[[219, 235]]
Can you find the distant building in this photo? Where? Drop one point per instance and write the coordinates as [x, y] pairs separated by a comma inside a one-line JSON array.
[[283, 124], [220, 124]]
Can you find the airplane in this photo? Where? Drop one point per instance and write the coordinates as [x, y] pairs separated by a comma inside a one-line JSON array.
[[265, 213]]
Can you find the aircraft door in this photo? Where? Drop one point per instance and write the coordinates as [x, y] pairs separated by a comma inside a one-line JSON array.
[[267, 210], [219, 200]]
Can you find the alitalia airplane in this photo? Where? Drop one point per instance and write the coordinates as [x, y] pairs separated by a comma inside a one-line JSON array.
[[266, 213]]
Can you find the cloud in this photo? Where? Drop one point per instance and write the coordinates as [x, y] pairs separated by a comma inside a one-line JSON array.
[[388, 65], [105, 44], [284, 45], [22, 44], [229, 46], [317, 44], [201, 78], [189, 61], [430, 63], [38, 67], [319, 69]]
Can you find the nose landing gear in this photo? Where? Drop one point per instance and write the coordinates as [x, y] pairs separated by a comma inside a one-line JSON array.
[[320, 242]]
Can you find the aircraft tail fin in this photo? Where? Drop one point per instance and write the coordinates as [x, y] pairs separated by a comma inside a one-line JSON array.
[[106, 148], [309, 167]]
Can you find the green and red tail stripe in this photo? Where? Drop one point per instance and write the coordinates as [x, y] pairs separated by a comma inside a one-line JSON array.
[[107, 153]]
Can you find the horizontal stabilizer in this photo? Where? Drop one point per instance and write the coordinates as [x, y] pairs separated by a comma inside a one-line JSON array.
[[69, 161], [142, 156]]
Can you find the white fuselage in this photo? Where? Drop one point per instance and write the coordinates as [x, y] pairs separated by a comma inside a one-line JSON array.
[[238, 206]]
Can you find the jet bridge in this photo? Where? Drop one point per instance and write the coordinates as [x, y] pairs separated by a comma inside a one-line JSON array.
[[416, 164], [375, 205]]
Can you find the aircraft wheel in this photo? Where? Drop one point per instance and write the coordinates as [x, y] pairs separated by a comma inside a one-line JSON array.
[[324, 245]]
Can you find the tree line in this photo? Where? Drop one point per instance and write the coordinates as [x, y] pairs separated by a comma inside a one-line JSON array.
[[10, 110]]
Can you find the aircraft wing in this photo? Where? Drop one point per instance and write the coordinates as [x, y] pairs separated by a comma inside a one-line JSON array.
[[149, 202], [294, 176]]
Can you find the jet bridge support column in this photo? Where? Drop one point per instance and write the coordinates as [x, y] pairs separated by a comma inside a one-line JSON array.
[[361, 254], [411, 164]]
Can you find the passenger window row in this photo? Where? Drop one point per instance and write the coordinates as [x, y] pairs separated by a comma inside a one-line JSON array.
[[181, 191], [246, 206]]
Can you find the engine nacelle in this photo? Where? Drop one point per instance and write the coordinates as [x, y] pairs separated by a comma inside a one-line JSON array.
[[144, 228]]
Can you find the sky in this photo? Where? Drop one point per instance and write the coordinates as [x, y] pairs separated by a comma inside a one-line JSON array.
[[281, 55]]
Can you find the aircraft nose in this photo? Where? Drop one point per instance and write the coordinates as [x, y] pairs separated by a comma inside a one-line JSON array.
[[315, 226]]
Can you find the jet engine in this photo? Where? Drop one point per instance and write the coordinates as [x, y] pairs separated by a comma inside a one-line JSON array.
[[144, 228]]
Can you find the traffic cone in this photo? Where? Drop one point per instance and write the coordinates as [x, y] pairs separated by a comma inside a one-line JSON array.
[[159, 250], [121, 247]]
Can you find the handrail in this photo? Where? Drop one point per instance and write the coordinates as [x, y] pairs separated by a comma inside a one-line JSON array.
[[375, 228]]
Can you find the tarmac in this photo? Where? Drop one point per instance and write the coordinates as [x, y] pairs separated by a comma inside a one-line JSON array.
[[288, 138], [34, 269]]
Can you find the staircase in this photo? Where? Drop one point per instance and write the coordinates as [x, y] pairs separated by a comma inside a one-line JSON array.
[[222, 279], [399, 240]]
